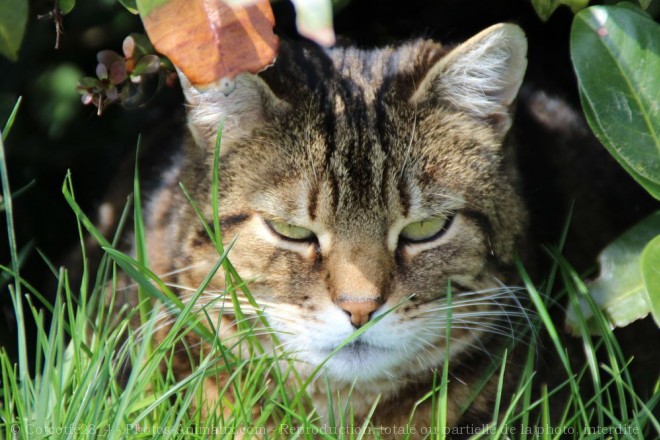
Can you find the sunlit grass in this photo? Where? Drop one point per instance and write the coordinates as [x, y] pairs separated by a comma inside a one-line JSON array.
[[95, 374]]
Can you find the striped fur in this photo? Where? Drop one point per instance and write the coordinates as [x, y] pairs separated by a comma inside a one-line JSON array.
[[355, 145]]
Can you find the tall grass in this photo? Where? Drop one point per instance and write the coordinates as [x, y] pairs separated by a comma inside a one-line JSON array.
[[97, 375]]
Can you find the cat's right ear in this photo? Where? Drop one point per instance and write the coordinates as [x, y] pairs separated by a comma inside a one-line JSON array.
[[241, 108], [480, 77]]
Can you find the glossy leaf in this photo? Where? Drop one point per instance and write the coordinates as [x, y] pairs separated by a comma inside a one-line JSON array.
[[545, 8], [620, 290], [616, 55], [211, 40], [147, 64], [66, 6], [13, 20]]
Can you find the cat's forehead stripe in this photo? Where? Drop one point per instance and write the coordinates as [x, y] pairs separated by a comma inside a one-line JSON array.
[[312, 201]]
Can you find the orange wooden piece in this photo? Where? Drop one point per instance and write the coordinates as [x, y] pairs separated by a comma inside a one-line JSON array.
[[209, 40]]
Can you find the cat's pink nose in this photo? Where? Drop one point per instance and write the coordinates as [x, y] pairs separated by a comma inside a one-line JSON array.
[[359, 311]]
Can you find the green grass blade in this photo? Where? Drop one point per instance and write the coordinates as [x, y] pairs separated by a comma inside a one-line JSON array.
[[554, 336], [10, 121], [16, 294], [19, 192], [140, 241]]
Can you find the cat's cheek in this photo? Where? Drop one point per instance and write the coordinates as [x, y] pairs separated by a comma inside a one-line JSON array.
[[310, 339]]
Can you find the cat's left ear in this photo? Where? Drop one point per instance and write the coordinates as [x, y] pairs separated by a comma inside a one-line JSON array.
[[241, 107], [481, 76]]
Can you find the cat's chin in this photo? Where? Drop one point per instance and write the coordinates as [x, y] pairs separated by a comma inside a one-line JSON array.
[[360, 361]]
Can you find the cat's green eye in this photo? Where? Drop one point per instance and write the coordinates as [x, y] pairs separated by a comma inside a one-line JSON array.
[[425, 230], [290, 231]]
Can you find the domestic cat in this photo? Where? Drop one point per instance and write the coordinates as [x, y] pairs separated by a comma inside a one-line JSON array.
[[361, 185]]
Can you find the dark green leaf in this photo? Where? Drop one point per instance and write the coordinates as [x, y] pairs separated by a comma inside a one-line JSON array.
[[88, 82], [13, 19], [616, 55], [575, 5], [130, 5], [545, 8], [148, 64], [66, 6], [633, 7], [651, 186]]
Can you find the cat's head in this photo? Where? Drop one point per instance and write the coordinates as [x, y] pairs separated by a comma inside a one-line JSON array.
[[362, 185]]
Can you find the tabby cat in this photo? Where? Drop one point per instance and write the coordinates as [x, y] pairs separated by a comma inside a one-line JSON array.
[[362, 185]]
